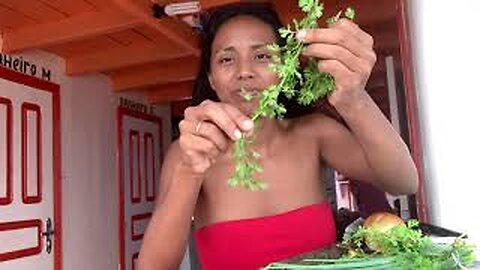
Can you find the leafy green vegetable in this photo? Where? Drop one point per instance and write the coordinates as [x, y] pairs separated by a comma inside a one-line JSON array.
[[314, 85], [410, 248], [330, 264], [403, 247], [248, 161], [350, 13]]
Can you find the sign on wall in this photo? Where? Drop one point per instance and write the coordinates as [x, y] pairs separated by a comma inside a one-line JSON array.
[[19, 64]]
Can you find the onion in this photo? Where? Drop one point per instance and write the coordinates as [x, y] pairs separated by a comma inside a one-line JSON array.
[[383, 222]]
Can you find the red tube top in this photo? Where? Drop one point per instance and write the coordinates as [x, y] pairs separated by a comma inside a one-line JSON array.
[[249, 244]]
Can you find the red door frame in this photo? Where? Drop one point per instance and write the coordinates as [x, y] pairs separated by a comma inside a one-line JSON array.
[[54, 89], [121, 207], [412, 106]]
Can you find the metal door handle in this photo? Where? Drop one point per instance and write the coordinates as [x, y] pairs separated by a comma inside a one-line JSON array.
[[48, 234]]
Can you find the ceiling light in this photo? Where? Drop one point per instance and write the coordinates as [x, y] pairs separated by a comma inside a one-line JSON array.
[[182, 8]]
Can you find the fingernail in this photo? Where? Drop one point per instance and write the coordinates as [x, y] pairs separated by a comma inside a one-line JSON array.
[[301, 35], [305, 51], [247, 124], [320, 66], [237, 134]]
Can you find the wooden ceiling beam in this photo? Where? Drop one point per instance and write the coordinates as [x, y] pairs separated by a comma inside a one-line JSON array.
[[170, 93], [367, 11], [175, 30], [138, 78], [378, 17], [83, 26], [207, 4], [114, 59]]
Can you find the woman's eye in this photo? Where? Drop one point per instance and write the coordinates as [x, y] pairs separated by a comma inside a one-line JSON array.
[[263, 57], [225, 60]]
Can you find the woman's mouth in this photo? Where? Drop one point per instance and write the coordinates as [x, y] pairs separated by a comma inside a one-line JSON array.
[[249, 94]]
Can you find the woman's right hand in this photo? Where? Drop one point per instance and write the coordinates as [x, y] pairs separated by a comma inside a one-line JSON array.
[[207, 131]]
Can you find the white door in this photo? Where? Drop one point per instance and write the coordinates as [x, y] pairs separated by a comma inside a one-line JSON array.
[[29, 167], [140, 157]]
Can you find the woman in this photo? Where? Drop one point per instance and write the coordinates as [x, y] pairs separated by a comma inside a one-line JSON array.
[[241, 229]]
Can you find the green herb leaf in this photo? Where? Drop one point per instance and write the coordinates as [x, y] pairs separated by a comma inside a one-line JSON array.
[[315, 85], [350, 13], [411, 249]]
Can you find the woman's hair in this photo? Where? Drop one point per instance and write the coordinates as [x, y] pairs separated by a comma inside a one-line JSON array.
[[210, 24]]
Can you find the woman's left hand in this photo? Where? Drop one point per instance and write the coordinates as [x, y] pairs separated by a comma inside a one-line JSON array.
[[346, 52]]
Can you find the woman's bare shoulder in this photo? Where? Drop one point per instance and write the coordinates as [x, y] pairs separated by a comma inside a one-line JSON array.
[[314, 124]]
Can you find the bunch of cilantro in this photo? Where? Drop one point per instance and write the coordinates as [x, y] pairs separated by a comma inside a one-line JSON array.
[[314, 85], [409, 248]]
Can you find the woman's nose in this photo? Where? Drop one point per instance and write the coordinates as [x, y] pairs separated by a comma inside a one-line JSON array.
[[245, 71]]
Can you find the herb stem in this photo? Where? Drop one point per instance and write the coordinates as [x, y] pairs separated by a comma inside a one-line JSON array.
[[286, 64]]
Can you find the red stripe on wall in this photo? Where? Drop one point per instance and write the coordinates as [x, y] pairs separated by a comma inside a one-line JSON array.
[[26, 252], [134, 141], [412, 108], [134, 261], [8, 151], [134, 219], [27, 199], [149, 182]]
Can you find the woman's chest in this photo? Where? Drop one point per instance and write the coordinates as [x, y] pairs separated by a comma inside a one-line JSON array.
[[282, 166], [292, 175]]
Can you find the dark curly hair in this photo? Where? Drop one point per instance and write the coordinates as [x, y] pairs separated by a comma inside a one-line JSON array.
[[210, 24]]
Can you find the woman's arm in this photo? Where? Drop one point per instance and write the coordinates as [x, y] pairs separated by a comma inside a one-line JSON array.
[[371, 150], [166, 237], [383, 147], [206, 132]]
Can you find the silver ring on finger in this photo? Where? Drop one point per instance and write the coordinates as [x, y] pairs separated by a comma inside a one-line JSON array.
[[197, 127]]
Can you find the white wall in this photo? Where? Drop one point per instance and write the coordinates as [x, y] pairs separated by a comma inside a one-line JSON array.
[[89, 172], [446, 44]]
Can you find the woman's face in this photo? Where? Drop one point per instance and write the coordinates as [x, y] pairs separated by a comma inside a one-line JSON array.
[[240, 60]]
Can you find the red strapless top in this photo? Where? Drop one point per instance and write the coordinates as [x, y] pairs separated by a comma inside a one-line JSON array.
[[250, 244]]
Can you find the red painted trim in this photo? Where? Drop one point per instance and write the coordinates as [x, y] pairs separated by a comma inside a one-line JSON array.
[[131, 160], [412, 107], [121, 190], [25, 197], [57, 170], [26, 252], [8, 142], [160, 161], [20, 78], [134, 257], [150, 194], [135, 218], [54, 89], [121, 112]]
